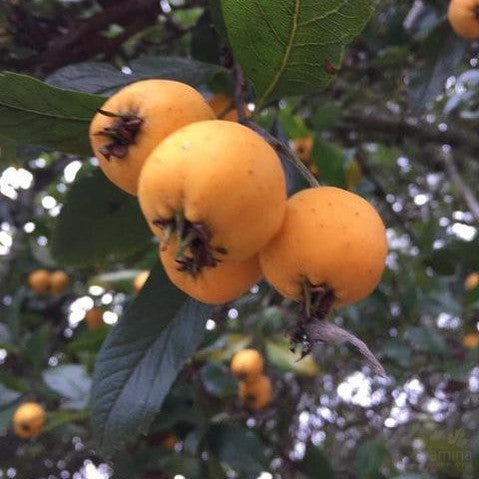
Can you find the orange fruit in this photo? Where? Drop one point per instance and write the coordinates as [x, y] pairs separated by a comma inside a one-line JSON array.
[[217, 186], [224, 107], [135, 119], [59, 281], [140, 280], [247, 365], [256, 395], [39, 281], [94, 319], [471, 282], [28, 420], [331, 241], [218, 284], [471, 340], [463, 16]]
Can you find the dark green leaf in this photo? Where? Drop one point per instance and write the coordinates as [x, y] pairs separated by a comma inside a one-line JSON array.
[[443, 51], [330, 160], [204, 40], [413, 476], [33, 112], [370, 457], [397, 351], [71, 382], [182, 465], [5, 417], [426, 340], [140, 360], [292, 47], [104, 78], [7, 396], [217, 380], [316, 464], [94, 206], [35, 347], [240, 448]]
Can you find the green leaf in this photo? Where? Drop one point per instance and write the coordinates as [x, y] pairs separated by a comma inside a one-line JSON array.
[[60, 418], [447, 455], [280, 355], [6, 417], [140, 360], [204, 40], [104, 78], [181, 464], [316, 464], [217, 380], [285, 47], [413, 476], [426, 340], [397, 351], [32, 112], [443, 51], [70, 381], [7, 396], [370, 456], [35, 346], [330, 160], [240, 448], [95, 206]]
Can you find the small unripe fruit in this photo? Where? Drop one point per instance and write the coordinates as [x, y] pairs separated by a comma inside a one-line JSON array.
[[140, 280], [247, 365], [463, 16], [94, 319], [471, 282], [39, 281], [59, 281], [256, 395], [332, 242], [135, 119], [28, 420]]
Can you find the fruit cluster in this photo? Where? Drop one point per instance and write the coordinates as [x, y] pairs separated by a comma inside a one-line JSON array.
[[255, 389], [463, 16], [42, 281], [214, 194]]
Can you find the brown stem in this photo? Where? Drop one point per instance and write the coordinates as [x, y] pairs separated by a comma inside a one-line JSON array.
[[284, 150], [321, 330]]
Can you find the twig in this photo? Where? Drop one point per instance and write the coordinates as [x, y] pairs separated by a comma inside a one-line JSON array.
[[466, 192], [282, 149], [240, 86]]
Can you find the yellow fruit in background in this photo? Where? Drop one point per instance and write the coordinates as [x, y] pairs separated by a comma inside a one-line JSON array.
[[59, 281], [463, 16], [247, 365], [224, 107], [213, 284], [39, 281], [135, 119], [94, 319], [302, 147], [256, 395], [471, 282], [140, 280], [471, 340], [28, 420], [217, 186], [353, 174], [331, 240]]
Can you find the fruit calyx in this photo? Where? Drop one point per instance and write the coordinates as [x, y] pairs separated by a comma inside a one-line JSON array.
[[194, 251], [122, 133], [313, 327]]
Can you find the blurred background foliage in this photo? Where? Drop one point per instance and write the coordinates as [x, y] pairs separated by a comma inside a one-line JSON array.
[[398, 125]]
